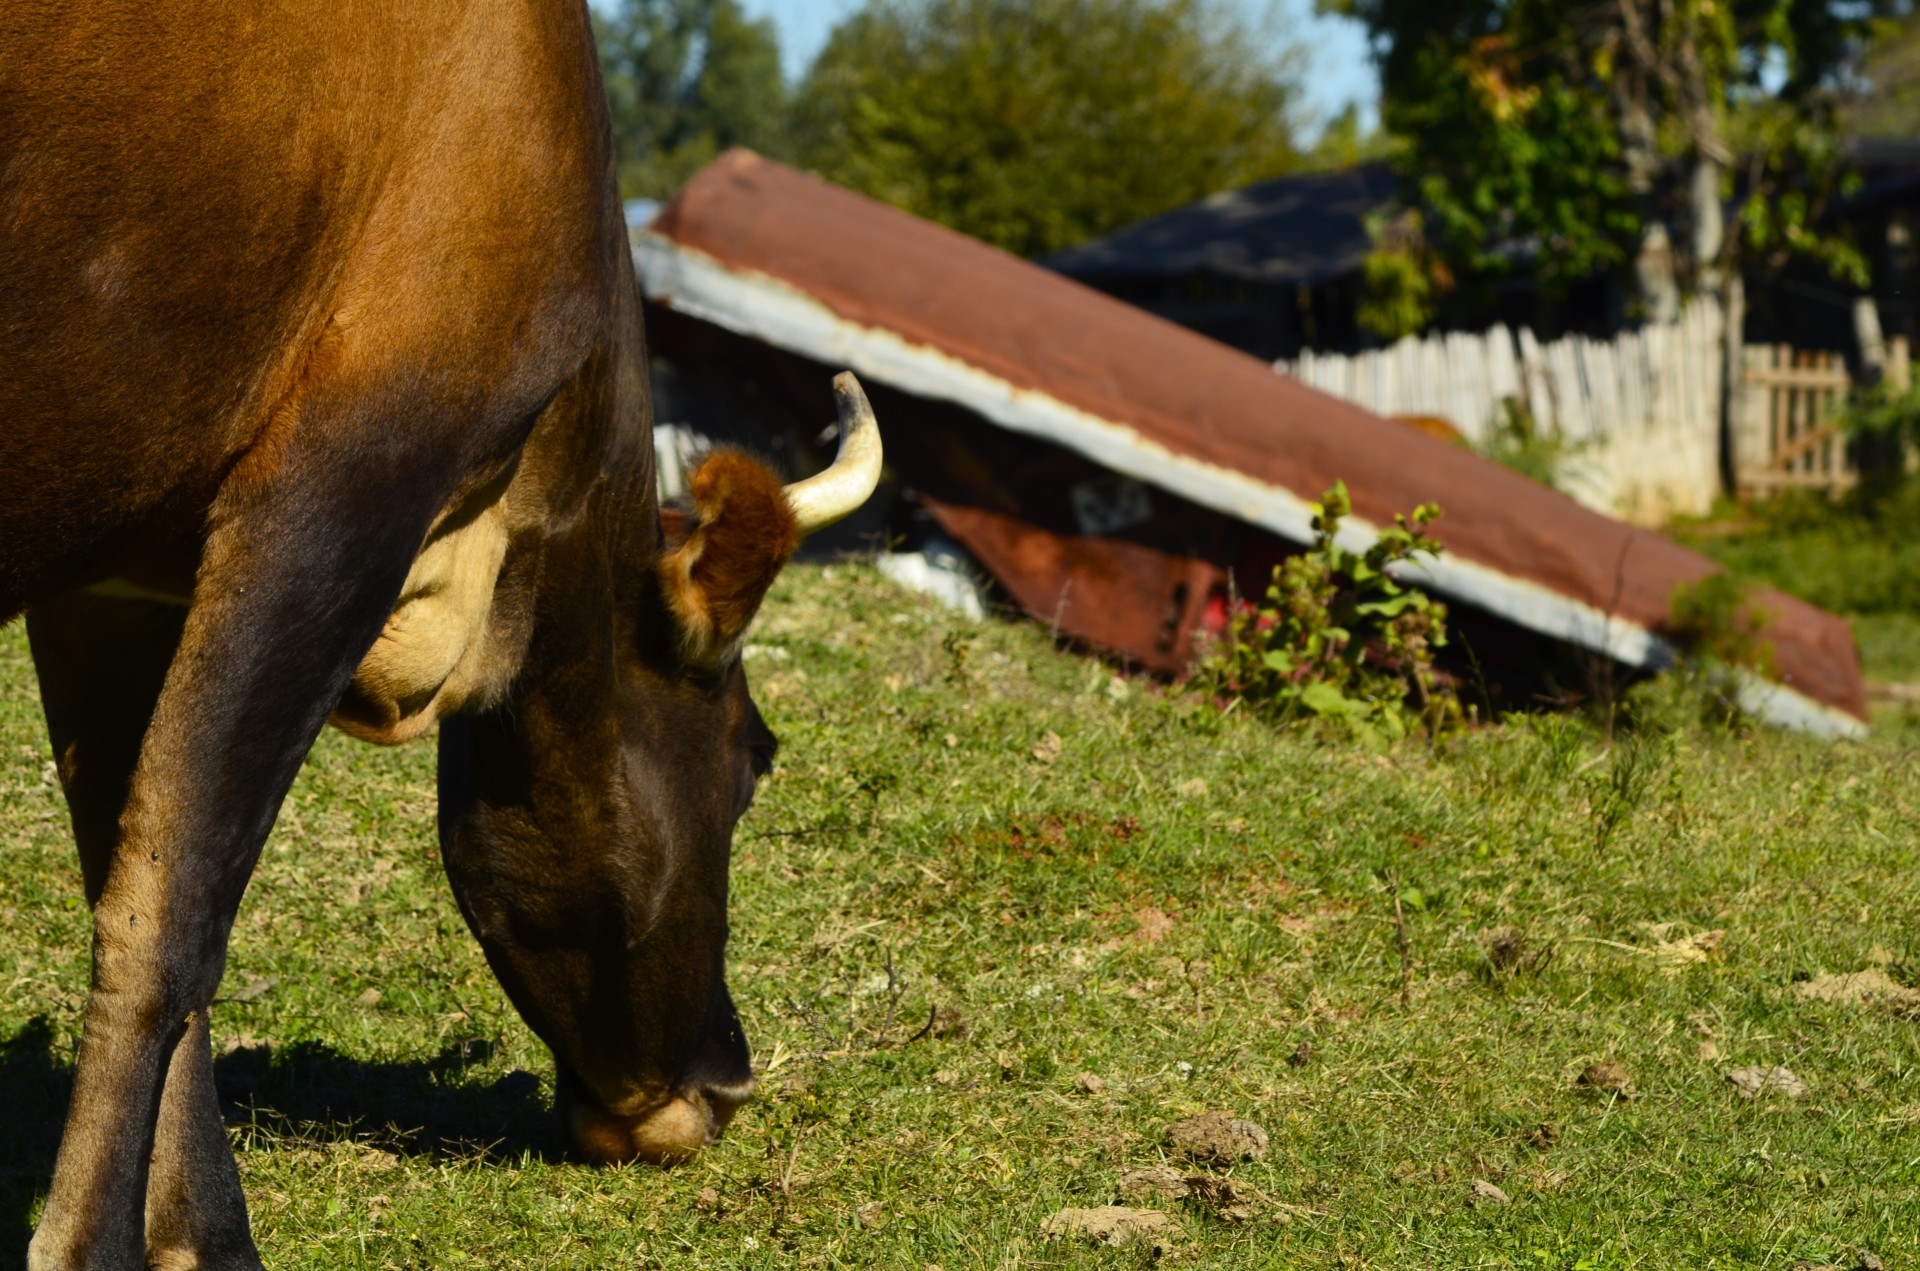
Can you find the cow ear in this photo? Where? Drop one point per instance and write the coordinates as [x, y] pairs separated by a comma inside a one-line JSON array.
[[728, 550]]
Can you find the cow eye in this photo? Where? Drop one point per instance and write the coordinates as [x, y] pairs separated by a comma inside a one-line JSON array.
[[760, 752]]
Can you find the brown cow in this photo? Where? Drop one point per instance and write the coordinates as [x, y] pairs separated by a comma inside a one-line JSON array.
[[324, 396]]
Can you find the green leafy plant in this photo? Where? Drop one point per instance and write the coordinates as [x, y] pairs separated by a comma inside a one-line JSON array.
[[1718, 629], [1550, 139], [1338, 640], [1719, 620], [1401, 281], [1519, 442], [1883, 410], [1883, 423]]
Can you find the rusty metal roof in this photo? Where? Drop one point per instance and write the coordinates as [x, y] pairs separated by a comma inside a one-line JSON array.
[[777, 256]]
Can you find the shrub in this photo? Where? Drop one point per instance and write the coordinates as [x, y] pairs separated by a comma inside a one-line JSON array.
[[1718, 620], [1717, 627], [1519, 442], [1337, 639]]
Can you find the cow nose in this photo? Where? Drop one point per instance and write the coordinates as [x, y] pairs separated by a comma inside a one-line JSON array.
[[671, 1133], [724, 1101]]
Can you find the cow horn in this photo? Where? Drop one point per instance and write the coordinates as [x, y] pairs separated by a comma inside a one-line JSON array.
[[824, 498]]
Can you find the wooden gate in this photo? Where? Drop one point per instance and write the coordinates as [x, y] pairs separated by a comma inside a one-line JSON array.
[[1794, 438]]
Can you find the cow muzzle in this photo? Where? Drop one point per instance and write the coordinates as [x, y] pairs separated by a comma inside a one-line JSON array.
[[668, 1134]]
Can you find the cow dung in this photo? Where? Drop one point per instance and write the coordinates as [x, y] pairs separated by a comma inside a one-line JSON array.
[[1224, 1197], [1751, 1083], [1484, 1193], [1229, 1200], [1114, 1226], [1609, 1078], [1156, 1182], [1217, 1138]]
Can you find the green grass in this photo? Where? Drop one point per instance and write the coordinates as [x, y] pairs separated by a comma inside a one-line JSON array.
[[1859, 559], [1174, 903]]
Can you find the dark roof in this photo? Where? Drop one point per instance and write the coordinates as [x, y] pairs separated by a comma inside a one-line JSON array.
[[1892, 187], [1294, 230]]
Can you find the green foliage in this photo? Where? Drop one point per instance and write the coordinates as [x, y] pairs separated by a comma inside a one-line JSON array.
[[1037, 124], [685, 80], [1796, 166], [1718, 628], [1719, 620], [1338, 640], [1888, 98], [1553, 135], [1883, 411], [1520, 443], [1342, 144], [1857, 557], [1502, 152], [1400, 281]]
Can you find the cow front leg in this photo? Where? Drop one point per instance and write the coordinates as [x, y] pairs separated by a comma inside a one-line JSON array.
[[300, 568], [102, 661]]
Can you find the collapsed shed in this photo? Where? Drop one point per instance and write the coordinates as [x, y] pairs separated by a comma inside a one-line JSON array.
[[1120, 476]]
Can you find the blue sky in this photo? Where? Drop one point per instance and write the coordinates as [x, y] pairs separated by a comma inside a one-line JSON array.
[[1335, 66]]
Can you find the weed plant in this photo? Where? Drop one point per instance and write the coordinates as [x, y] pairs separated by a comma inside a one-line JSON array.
[[1338, 640], [1539, 452], [1000, 915]]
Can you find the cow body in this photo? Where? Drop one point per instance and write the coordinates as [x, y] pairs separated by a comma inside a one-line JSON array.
[[325, 397], [215, 227]]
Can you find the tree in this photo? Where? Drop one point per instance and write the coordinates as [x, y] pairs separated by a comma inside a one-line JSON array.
[[685, 80], [1886, 99], [1344, 144], [1570, 134], [1037, 124]]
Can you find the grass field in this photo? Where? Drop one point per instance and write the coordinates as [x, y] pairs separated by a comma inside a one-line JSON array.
[[1859, 559], [1118, 910]]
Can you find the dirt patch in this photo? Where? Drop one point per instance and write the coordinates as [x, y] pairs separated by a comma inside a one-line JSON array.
[[1078, 836], [1688, 950], [1752, 1083], [949, 1022], [1217, 1138], [1484, 1193], [1870, 987], [1512, 952], [1113, 1226], [1154, 926]]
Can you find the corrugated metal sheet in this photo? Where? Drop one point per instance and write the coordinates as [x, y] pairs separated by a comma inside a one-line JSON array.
[[781, 258]]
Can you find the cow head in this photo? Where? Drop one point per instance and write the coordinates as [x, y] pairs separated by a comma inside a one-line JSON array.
[[587, 816]]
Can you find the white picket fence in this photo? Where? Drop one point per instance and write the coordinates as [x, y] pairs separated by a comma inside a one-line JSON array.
[[1641, 412]]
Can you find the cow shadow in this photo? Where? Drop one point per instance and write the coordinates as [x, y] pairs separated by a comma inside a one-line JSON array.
[[299, 1095], [36, 1080], [309, 1092]]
